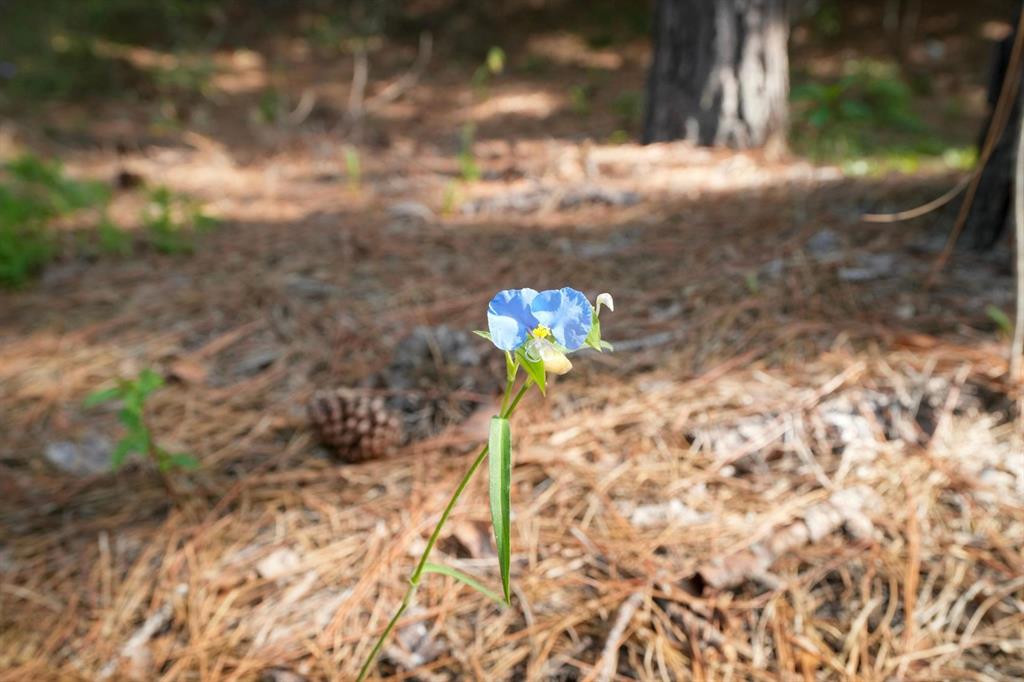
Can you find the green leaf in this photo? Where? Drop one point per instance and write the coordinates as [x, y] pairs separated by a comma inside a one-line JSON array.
[[593, 339], [121, 450], [133, 442], [483, 334], [1001, 319], [534, 369], [182, 460], [148, 382], [495, 60], [511, 367], [131, 418], [132, 399], [753, 285], [204, 223], [102, 396], [112, 238], [499, 463], [463, 578]]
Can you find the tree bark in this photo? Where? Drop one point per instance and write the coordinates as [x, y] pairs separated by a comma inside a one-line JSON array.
[[990, 208], [720, 73]]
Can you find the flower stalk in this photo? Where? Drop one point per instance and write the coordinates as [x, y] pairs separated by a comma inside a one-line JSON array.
[[417, 574], [537, 330]]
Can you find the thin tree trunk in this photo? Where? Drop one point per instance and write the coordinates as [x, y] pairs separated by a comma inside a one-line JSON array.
[[720, 73], [1017, 345], [990, 207]]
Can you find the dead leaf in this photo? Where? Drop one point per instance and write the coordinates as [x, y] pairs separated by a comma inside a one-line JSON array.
[[188, 371]]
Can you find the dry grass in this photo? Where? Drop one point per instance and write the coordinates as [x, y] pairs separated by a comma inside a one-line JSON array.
[[798, 465]]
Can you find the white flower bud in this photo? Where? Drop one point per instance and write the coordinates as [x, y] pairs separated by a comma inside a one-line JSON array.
[[607, 300], [554, 360]]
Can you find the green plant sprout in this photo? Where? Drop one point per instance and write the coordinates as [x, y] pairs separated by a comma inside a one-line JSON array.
[[493, 65], [536, 331], [752, 282], [629, 108], [187, 76], [24, 246], [173, 221], [138, 439], [353, 167], [450, 198], [618, 137], [468, 167], [868, 111], [112, 239], [270, 107], [34, 193], [1001, 319], [579, 99]]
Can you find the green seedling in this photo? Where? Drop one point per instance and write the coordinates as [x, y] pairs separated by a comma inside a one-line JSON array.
[[579, 99], [172, 221], [868, 111], [138, 439], [24, 249], [33, 194], [468, 167], [353, 167], [752, 282], [450, 198], [493, 65], [113, 239], [618, 137], [1001, 319], [629, 107], [270, 107]]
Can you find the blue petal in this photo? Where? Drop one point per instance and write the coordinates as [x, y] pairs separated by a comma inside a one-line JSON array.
[[567, 313], [509, 318]]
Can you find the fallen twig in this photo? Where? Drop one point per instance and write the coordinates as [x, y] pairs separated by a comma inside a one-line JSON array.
[[605, 668], [817, 522]]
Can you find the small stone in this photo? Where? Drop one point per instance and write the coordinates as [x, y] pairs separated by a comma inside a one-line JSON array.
[[672, 512], [86, 457], [871, 266], [282, 675], [278, 563], [825, 245], [412, 211]]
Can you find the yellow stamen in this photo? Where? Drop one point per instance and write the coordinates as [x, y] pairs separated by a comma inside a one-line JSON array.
[[541, 332]]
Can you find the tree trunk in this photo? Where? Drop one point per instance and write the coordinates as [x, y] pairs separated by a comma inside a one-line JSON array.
[[990, 208], [720, 73]]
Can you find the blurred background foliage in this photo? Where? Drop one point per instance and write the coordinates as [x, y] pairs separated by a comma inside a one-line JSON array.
[[866, 113], [73, 49]]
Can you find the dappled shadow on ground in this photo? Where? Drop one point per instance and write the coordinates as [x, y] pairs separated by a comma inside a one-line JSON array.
[[279, 307], [783, 382], [798, 461]]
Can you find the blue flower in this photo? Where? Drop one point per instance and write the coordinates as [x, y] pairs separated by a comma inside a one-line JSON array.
[[566, 313], [516, 315]]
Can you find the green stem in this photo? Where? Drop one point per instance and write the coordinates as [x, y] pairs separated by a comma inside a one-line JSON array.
[[504, 398], [414, 579], [519, 396], [154, 455]]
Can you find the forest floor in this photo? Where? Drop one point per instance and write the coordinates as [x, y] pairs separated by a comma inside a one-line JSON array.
[[800, 462]]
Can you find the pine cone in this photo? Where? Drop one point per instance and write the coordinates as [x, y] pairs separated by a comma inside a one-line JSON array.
[[356, 426]]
